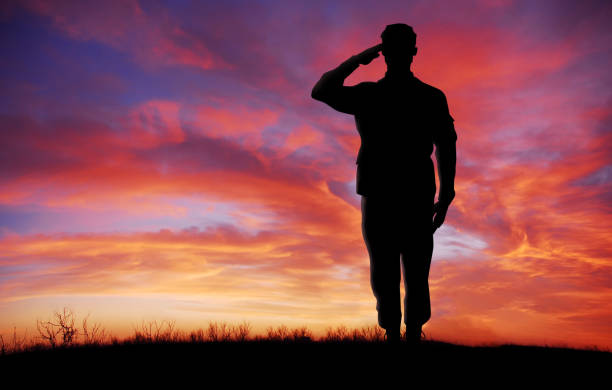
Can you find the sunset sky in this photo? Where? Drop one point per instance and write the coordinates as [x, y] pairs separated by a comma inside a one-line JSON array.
[[165, 161]]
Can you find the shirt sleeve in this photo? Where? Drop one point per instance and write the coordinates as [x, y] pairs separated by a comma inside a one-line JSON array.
[[348, 100], [444, 129]]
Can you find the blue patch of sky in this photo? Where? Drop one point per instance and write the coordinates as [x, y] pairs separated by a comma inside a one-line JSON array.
[[9, 272], [34, 219], [602, 176], [451, 243], [41, 55], [47, 58]]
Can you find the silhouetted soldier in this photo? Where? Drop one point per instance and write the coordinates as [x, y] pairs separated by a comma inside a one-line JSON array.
[[399, 119]]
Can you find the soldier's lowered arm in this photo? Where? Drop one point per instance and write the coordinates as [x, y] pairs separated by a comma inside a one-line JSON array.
[[446, 154]]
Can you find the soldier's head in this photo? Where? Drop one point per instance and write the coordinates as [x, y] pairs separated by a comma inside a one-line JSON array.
[[398, 44]]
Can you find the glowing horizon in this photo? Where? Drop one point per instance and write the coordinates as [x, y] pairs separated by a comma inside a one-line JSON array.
[[165, 161]]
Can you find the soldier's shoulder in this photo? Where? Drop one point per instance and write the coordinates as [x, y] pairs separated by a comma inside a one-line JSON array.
[[430, 89]]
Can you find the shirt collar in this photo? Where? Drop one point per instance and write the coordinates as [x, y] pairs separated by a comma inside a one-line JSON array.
[[399, 77]]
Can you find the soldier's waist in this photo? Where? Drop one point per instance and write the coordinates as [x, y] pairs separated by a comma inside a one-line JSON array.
[[410, 160]]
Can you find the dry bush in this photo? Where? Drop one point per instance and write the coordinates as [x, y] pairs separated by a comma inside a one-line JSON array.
[[115, 340], [197, 336], [222, 331], [242, 331], [341, 333], [358, 336], [65, 321], [219, 332], [60, 330], [281, 333], [301, 334], [96, 335], [370, 333], [156, 332], [15, 344], [48, 332]]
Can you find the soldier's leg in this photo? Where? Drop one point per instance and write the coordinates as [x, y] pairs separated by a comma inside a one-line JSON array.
[[416, 253], [385, 271]]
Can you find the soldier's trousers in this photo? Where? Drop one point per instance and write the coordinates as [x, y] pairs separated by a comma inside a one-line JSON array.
[[399, 237]]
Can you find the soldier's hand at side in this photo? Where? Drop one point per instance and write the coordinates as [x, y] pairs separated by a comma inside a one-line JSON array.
[[439, 211], [366, 56]]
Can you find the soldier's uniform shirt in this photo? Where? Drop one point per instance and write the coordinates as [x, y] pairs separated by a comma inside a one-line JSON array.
[[399, 120]]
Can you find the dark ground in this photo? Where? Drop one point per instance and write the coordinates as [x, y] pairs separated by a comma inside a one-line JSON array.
[[341, 363]]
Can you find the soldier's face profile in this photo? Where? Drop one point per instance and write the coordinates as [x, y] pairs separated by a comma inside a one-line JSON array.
[[398, 52]]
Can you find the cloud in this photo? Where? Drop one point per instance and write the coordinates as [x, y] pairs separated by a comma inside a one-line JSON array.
[[150, 35], [223, 117]]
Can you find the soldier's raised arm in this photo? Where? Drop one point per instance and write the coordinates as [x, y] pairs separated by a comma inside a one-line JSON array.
[[330, 88]]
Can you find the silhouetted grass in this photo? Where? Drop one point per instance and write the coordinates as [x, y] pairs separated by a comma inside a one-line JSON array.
[[61, 332], [230, 350]]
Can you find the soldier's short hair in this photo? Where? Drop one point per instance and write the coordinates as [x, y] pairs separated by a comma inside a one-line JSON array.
[[399, 34]]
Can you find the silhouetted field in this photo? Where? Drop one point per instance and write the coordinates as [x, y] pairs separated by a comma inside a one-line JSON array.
[[344, 361], [230, 353]]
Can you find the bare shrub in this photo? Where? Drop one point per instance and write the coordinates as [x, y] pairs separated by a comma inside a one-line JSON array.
[[358, 336], [114, 340], [301, 334], [65, 321], [96, 335], [48, 332], [15, 343], [62, 331], [213, 332], [341, 333], [219, 332], [370, 333], [61, 325], [165, 331], [197, 336], [143, 333], [156, 332], [281, 333], [179, 336], [242, 331]]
